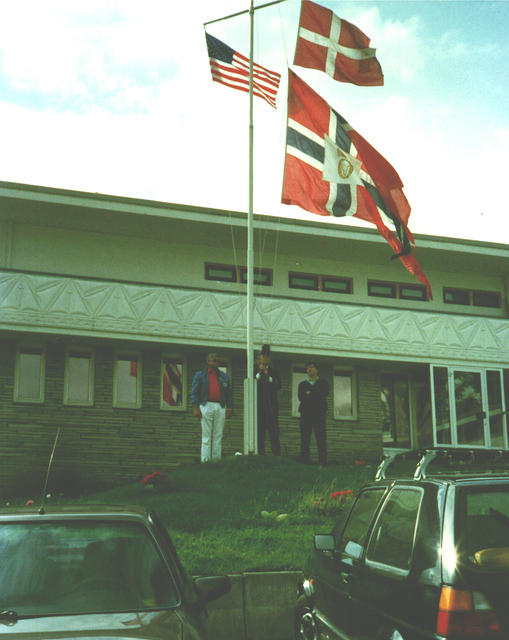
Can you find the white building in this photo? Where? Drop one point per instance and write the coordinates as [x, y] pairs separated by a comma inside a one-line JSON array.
[[98, 293]]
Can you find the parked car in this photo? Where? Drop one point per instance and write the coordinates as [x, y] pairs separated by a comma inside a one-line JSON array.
[[96, 571], [415, 558]]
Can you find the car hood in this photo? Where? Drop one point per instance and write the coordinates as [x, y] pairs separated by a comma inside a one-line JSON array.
[[108, 626]]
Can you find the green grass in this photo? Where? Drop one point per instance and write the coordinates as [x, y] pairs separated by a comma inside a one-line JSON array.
[[214, 511]]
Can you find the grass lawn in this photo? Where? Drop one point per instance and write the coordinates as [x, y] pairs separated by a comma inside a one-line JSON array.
[[214, 511]]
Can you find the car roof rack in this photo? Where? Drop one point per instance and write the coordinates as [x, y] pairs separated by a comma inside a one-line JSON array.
[[390, 457], [450, 462]]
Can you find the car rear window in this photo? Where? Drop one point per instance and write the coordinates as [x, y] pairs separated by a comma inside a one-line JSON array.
[[482, 526], [69, 567]]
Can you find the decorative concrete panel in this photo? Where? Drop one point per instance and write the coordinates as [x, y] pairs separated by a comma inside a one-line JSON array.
[[52, 304]]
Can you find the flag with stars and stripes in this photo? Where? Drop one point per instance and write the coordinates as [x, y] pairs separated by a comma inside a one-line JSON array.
[[331, 170], [231, 68], [328, 43]]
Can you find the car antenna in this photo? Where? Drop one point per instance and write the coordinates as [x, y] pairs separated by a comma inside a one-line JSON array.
[[43, 497]]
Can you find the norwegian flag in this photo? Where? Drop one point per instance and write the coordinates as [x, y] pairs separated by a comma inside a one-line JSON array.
[[331, 170], [231, 68], [172, 384], [335, 46]]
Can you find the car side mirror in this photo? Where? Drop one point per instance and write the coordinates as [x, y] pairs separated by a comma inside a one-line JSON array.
[[325, 542], [354, 550], [212, 587]]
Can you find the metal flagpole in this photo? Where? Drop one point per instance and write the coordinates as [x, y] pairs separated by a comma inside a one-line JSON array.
[[250, 428]]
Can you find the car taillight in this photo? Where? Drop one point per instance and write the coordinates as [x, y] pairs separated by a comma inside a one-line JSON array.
[[466, 614]]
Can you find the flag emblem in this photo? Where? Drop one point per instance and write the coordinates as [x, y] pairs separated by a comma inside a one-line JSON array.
[[231, 68]]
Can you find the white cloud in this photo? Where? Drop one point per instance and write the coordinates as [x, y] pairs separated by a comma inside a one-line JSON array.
[[134, 111]]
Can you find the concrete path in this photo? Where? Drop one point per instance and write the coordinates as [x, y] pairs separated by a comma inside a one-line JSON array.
[[259, 607]]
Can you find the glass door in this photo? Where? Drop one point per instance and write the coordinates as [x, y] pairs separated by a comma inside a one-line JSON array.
[[468, 407], [496, 409]]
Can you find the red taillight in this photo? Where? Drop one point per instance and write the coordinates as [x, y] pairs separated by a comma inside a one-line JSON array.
[[465, 613]]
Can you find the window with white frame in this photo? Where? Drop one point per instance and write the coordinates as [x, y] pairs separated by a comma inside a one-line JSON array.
[[345, 395], [127, 376], [298, 375], [79, 378], [29, 374], [173, 383]]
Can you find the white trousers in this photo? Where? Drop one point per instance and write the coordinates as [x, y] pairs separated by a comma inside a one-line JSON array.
[[212, 425]]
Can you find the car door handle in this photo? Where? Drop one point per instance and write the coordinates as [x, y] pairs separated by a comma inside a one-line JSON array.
[[345, 577]]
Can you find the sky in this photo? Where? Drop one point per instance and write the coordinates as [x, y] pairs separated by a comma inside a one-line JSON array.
[[116, 97]]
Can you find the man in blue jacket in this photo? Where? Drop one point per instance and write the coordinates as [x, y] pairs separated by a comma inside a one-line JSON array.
[[211, 395]]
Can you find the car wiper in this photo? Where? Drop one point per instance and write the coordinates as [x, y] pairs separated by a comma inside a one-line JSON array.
[[501, 517], [8, 617]]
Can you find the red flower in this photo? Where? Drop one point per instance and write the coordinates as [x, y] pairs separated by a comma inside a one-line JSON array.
[[154, 478], [29, 503], [336, 494], [360, 461]]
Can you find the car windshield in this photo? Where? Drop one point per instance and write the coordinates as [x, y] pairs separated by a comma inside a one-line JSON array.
[[483, 526], [68, 567]]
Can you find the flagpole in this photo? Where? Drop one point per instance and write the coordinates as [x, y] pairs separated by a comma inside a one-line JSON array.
[[250, 418], [241, 13], [250, 427]]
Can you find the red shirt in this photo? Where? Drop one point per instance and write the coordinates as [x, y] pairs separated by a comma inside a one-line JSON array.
[[214, 390]]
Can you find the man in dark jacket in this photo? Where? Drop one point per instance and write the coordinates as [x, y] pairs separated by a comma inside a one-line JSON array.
[[312, 394], [268, 384]]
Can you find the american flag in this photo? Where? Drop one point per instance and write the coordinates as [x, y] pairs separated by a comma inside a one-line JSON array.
[[231, 68]]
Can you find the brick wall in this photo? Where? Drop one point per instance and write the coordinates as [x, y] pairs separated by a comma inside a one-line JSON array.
[[103, 444]]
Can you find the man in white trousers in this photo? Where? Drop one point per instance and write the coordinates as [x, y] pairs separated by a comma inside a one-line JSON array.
[[211, 395]]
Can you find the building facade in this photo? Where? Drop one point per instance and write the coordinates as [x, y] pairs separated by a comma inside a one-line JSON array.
[[109, 305]]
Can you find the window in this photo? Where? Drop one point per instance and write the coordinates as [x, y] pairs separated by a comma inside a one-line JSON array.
[[398, 291], [412, 292], [392, 540], [336, 285], [469, 407], [360, 518], [314, 282], [79, 378], [29, 375], [395, 409], [345, 395], [472, 298], [127, 381], [260, 276], [482, 514], [442, 413], [382, 289], [173, 387], [49, 567], [221, 272], [231, 273], [486, 299], [298, 375]]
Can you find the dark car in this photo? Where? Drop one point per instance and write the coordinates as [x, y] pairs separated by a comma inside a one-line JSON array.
[[96, 571], [419, 557]]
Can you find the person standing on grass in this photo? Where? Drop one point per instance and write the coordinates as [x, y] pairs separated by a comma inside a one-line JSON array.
[[211, 396], [312, 394], [267, 386]]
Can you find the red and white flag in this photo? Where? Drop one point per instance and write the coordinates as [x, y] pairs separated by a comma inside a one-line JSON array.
[[328, 43], [231, 68], [331, 170]]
